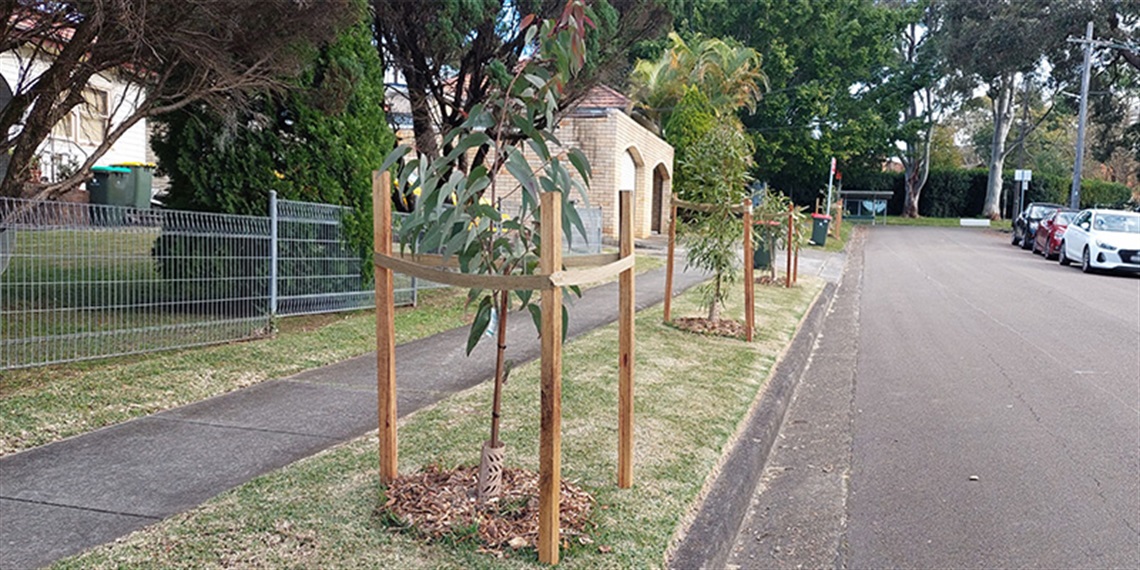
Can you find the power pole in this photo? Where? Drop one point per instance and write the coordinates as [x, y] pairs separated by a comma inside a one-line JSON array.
[[1075, 192]]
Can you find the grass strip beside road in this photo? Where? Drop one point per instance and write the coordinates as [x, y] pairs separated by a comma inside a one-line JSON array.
[[46, 404], [323, 512]]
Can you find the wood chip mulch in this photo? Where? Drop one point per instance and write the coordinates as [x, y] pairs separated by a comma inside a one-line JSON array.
[[719, 327], [438, 503]]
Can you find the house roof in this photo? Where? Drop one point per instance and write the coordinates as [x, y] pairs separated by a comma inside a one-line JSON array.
[[604, 97]]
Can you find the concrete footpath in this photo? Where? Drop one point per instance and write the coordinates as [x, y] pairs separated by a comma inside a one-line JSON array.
[[65, 497]]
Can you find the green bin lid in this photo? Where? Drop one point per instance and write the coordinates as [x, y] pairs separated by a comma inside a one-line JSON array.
[[118, 169]]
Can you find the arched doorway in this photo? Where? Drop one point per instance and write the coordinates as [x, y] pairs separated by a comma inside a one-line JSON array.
[[660, 176]]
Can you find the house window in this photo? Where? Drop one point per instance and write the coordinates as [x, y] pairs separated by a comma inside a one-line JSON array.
[[87, 122]]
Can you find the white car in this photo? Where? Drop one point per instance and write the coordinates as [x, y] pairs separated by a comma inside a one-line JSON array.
[[1103, 239]]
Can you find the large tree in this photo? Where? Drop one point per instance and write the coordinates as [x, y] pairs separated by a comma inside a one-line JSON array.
[[998, 46], [923, 99], [450, 52], [827, 65], [177, 51], [318, 140]]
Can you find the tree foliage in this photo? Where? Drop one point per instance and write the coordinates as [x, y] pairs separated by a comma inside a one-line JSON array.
[[717, 166], [727, 73], [317, 141], [693, 116], [826, 64], [999, 45], [452, 53], [180, 52]]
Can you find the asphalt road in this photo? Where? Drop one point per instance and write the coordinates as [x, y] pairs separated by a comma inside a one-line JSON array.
[[992, 418]]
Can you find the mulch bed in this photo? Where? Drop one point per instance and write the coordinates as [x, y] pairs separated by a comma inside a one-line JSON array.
[[719, 327], [439, 503]]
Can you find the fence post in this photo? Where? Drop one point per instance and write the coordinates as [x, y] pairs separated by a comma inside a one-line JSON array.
[[788, 271], [625, 346], [550, 393], [273, 253], [749, 278], [385, 326], [669, 262]]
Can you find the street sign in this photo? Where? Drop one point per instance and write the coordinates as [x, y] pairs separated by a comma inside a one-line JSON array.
[[1023, 175]]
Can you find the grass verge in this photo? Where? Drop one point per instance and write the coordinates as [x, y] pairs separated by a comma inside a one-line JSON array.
[[322, 512], [1000, 225], [46, 404]]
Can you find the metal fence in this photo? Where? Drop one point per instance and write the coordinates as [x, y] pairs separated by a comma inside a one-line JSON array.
[[80, 281], [83, 281]]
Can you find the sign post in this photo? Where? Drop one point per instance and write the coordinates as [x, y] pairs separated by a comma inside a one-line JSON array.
[[1022, 177], [830, 180]]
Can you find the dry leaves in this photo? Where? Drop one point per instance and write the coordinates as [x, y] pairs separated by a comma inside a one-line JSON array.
[[440, 502], [719, 327]]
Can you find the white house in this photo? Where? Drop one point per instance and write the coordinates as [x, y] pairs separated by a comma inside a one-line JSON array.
[[108, 101]]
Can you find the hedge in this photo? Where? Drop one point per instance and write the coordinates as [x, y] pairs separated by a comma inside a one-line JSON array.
[[961, 193]]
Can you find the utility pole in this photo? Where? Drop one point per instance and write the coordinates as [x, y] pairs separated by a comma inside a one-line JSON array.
[[1075, 192]]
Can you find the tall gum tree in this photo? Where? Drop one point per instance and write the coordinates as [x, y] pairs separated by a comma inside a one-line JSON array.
[[997, 45]]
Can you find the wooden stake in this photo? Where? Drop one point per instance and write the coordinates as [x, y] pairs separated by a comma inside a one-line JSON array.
[[625, 348], [550, 437], [788, 271], [838, 216], [749, 279], [669, 262], [385, 326]]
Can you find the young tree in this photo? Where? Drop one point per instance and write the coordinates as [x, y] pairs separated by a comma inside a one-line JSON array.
[[456, 211], [178, 52], [717, 164]]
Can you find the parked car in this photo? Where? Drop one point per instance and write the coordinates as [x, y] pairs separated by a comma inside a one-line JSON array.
[[1102, 239], [1025, 226], [1047, 238]]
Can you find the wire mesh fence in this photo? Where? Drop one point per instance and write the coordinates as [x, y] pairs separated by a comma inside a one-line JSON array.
[[83, 281], [80, 281]]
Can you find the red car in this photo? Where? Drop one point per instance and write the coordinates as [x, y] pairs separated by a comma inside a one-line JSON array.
[[1047, 240]]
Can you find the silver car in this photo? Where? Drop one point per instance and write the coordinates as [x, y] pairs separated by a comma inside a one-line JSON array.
[[1103, 239]]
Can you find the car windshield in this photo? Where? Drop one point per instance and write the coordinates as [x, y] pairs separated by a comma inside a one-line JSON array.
[[1063, 218], [1040, 212], [1121, 223]]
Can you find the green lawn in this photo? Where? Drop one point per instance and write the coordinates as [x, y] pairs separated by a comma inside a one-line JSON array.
[[326, 511]]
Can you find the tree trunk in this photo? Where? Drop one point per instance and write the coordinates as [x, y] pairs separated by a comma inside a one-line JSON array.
[[1002, 108], [714, 306]]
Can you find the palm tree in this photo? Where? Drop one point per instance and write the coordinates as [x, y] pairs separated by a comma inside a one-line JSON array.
[[726, 72]]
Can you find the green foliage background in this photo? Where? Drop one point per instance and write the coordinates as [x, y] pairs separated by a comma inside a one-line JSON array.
[[692, 119], [317, 141], [960, 193]]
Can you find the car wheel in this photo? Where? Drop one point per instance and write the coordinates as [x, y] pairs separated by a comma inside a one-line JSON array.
[[1013, 240], [1086, 263], [1061, 257], [1026, 242]]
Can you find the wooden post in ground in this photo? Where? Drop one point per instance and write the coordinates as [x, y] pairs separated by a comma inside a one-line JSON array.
[[838, 216], [625, 347], [749, 279], [788, 271], [669, 262], [550, 437], [385, 326]]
